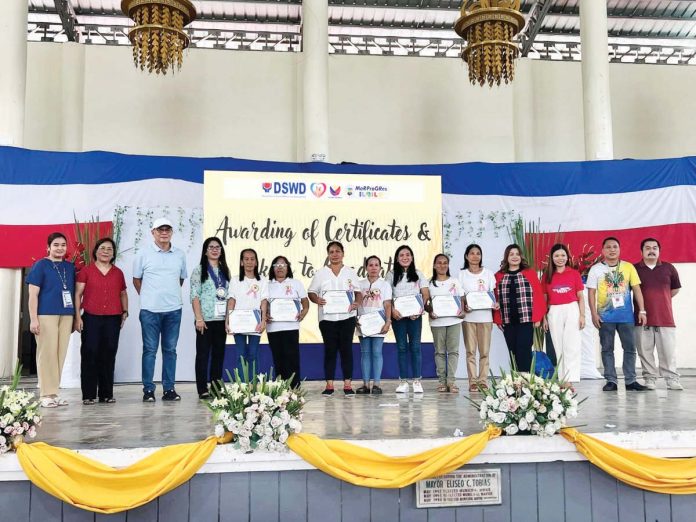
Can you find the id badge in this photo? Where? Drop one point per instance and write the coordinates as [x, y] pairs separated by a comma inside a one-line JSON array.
[[220, 308], [617, 300], [67, 299]]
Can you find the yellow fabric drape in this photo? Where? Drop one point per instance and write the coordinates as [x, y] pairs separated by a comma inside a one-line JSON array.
[[661, 475], [364, 467], [90, 485]]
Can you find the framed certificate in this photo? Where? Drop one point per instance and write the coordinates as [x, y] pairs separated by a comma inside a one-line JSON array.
[[447, 305], [244, 321], [337, 301], [283, 309], [480, 300], [409, 305], [372, 323]]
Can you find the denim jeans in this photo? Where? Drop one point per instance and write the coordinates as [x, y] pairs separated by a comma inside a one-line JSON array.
[[408, 346], [371, 358], [247, 348], [606, 340], [156, 325]]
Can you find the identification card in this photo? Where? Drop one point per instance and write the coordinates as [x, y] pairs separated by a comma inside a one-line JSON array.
[[617, 300], [67, 299], [220, 308]]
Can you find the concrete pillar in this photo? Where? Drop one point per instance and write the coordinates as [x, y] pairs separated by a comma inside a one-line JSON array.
[[596, 96], [315, 56], [72, 98], [13, 83]]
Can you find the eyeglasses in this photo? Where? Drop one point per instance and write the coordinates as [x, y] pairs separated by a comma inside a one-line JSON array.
[[214, 247], [280, 265]]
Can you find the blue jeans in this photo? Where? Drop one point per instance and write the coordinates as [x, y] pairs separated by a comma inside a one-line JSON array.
[[155, 325], [408, 346], [606, 340], [247, 348], [371, 358]]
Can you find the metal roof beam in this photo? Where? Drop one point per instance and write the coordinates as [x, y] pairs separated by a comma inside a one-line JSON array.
[[534, 24], [65, 10]]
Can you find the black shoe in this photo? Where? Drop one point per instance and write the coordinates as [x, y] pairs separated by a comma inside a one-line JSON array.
[[171, 395], [376, 390], [636, 386], [328, 391], [348, 391], [149, 396], [205, 396], [363, 390], [610, 386]]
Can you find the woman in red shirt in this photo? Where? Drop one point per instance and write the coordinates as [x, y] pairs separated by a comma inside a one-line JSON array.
[[100, 290], [566, 311], [520, 296]]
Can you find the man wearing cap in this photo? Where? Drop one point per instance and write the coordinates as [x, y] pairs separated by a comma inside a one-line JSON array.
[[159, 271], [659, 283]]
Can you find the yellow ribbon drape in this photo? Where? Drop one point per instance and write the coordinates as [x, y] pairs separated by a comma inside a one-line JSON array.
[[90, 485], [669, 476], [364, 467]]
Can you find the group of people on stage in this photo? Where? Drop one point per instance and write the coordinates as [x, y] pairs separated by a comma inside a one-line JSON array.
[[95, 303]]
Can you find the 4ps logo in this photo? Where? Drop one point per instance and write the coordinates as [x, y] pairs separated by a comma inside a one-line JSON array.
[[318, 189], [266, 186]]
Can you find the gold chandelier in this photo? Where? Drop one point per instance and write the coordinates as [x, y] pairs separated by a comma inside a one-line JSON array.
[[158, 37], [488, 26]]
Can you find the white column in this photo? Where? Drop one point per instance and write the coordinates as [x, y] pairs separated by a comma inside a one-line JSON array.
[[596, 94], [73, 88], [315, 56], [13, 82]]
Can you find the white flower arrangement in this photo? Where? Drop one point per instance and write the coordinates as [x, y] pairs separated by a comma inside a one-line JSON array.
[[524, 403], [260, 413], [19, 415]]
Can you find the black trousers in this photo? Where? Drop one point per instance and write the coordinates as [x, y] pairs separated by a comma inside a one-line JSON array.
[[519, 338], [210, 350], [338, 339], [100, 335], [285, 347]]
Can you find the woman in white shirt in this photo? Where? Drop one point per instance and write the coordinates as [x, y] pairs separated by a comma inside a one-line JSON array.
[[284, 336], [248, 292], [337, 329], [377, 295], [478, 324], [445, 328], [406, 281]]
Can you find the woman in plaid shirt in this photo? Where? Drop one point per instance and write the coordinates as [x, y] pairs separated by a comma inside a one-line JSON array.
[[522, 305]]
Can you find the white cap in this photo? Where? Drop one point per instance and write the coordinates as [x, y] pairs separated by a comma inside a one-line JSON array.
[[161, 222]]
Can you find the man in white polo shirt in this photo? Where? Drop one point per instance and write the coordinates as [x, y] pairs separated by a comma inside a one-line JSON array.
[[159, 271]]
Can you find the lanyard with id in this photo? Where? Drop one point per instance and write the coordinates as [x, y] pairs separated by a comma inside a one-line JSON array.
[[220, 291], [67, 297], [614, 278]]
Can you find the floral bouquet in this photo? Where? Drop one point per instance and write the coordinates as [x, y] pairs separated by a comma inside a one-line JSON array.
[[260, 413], [525, 403], [19, 415]]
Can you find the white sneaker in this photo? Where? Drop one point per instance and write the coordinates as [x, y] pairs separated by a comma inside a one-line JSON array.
[[417, 387], [650, 384], [674, 385], [402, 387]]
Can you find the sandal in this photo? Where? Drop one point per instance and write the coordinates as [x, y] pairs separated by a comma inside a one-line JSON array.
[[60, 401], [48, 402], [110, 400], [453, 388], [88, 402], [473, 387], [442, 388]]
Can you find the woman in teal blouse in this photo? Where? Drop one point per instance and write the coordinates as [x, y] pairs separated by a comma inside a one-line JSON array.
[[209, 282]]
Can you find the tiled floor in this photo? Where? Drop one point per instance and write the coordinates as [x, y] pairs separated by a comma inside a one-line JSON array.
[[131, 423]]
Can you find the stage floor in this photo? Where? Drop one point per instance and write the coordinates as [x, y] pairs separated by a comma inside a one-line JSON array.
[[130, 423]]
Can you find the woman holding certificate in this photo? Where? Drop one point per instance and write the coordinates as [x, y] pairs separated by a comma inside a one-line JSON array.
[[566, 316], [246, 309], [410, 292], [374, 319], [522, 306], [335, 289], [478, 284], [446, 310], [288, 305], [209, 282]]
